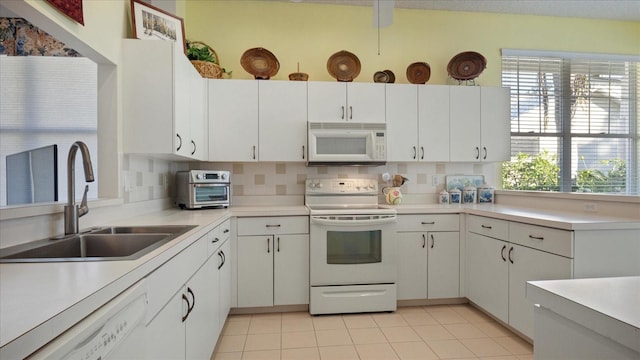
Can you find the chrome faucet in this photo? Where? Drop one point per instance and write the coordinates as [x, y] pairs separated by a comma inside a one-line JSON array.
[[73, 212]]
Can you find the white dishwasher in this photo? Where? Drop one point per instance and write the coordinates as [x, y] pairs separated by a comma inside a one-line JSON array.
[[114, 331]]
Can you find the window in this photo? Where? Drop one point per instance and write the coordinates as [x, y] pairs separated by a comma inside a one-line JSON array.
[[574, 122]]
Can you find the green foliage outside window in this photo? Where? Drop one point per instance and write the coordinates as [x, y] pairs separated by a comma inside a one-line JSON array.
[[532, 172], [612, 180]]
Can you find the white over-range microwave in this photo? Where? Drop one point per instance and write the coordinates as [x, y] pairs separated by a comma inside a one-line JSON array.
[[347, 143]]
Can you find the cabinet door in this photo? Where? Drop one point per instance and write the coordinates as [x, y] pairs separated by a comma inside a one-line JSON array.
[[202, 322], [487, 274], [464, 136], [233, 120], [527, 264], [443, 280], [433, 123], [327, 101], [182, 93], [198, 146], [224, 283], [283, 120], [412, 269], [291, 270], [165, 334], [495, 128], [365, 102], [402, 122], [255, 270]]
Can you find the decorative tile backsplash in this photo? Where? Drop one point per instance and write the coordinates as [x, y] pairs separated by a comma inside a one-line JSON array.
[[145, 178]]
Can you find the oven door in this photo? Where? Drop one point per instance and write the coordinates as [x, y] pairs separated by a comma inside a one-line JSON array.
[[352, 249], [210, 194]]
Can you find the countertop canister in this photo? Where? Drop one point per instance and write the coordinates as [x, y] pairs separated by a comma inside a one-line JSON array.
[[485, 193], [455, 196], [469, 195]]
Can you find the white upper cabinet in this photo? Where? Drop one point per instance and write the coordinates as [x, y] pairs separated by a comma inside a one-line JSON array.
[[433, 122], [480, 129], [282, 120], [233, 120], [342, 101], [402, 122], [163, 101]]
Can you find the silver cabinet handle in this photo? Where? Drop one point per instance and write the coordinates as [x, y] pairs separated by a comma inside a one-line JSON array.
[[424, 241], [433, 241]]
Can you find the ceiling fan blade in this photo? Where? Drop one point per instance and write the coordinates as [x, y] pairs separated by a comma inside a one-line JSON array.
[[383, 13]]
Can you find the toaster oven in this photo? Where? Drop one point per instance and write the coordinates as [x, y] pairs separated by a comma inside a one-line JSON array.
[[196, 189]]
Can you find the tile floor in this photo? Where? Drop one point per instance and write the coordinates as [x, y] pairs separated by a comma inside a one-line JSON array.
[[422, 332]]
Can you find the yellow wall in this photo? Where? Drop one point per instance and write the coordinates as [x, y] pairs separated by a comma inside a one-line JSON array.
[[310, 33]]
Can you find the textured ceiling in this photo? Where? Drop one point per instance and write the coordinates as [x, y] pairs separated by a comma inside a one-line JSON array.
[[628, 10]]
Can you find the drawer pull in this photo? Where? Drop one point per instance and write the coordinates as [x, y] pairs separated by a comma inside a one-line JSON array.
[[428, 223], [504, 247], [433, 241], [225, 231], [536, 237], [215, 240], [268, 245], [486, 227], [273, 226], [510, 258]]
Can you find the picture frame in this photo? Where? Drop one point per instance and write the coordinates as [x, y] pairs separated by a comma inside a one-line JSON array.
[[152, 23]]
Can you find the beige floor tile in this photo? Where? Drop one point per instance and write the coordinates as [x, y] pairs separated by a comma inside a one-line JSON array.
[[470, 313], [493, 329], [265, 325], [515, 345], [244, 317], [400, 334], [297, 324], [450, 349], [328, 322], [344, 352], [422, 318], [414, 351], [296, 315], [410, 310], [433, 332], [367, 336], [333, 337], [261, 355], [506, 357], [227, 356], [445, 315], [465, 331], [300, 339], [485, 347], [262, 342], [301, 354], [376, 351], [525, 357], [359, 321], [231, 343], [266, 316], [236, 328], [389, 320]]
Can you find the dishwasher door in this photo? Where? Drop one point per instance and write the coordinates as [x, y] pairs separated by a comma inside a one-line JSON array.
[[114, 331]]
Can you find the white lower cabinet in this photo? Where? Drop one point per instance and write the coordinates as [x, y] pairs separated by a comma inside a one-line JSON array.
[[497, 269], [273, 267], [188, 324], [429, 266]]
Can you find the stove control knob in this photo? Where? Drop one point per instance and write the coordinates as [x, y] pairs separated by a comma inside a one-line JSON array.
[[199, 176], [223, 176], [319, 185]]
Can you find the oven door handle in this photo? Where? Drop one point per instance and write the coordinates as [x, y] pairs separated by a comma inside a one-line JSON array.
[[353, 221]]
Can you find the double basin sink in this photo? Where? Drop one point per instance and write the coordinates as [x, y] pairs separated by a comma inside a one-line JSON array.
[[97, 244]]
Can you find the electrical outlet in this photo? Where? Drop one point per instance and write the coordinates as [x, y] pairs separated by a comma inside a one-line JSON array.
[[590, 207], [434, 180]]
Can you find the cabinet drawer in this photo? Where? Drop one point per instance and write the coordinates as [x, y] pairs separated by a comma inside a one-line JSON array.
[[543, 238], [273, 225], [494, 228], [430, 222], [217, 236]]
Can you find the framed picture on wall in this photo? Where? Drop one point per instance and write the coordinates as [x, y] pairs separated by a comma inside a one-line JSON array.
[[152, 23]]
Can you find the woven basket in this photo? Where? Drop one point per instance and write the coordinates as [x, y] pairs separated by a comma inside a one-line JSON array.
[[205, 68]]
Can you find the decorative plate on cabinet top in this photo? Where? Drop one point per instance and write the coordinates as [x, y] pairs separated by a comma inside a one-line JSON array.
[[260, 63], [386, 76], [467, 65], [418, 73], [343, 66]]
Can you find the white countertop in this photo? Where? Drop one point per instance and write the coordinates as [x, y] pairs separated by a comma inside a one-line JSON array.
[[608, 306], [32, 295]]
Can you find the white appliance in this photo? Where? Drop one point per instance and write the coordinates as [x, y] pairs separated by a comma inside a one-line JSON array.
[[114, 331], [347, 143], [352, 251]]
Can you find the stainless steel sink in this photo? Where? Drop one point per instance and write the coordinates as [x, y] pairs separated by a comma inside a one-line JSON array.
[[101, 244]]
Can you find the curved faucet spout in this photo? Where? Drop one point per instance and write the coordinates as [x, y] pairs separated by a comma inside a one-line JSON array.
[[71, 211]]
